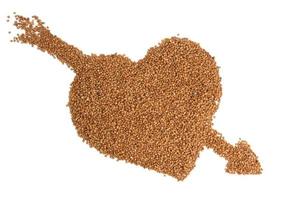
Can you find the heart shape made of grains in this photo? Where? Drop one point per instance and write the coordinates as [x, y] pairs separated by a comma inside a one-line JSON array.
[[156, 112]]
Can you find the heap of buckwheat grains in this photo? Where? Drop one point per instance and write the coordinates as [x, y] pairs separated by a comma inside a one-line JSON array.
[[156, 112]]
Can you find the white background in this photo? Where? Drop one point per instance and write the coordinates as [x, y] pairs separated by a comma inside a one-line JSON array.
[[41, 156]]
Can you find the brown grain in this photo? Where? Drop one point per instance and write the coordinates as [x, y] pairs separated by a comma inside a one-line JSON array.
[[156, 113]]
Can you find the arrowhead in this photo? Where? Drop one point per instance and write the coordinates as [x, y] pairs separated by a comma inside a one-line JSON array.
[[243, 160]]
